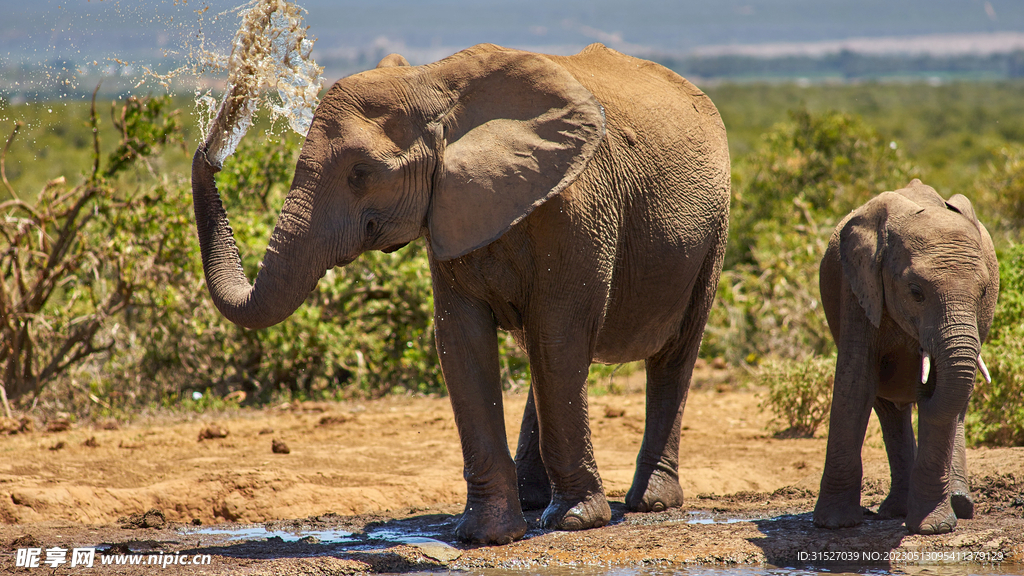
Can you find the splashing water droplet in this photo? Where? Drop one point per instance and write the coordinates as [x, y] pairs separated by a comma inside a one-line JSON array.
[[270, 50]]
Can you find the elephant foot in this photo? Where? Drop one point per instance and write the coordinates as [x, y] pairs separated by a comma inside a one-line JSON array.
[[840, 510], [963, 505], [660, 492], [534, 487], [893, 507], [485, 523], [931, 517], [577, 514], [961, 500]]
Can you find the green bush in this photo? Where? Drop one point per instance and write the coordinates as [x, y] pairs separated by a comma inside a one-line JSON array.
[[799, 394], [771, 307], [996, 413], [788, 196], [1000, 192], [65, 276], [103, 290], [821, 164]]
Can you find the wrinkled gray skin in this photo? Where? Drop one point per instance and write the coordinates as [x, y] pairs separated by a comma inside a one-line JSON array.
[[905, 275], [580, 203]]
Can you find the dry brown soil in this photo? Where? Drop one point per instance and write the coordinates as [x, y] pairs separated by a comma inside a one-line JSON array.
[[391, 469]]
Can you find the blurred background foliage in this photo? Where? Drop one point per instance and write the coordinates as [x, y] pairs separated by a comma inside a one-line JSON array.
[[802, 158]]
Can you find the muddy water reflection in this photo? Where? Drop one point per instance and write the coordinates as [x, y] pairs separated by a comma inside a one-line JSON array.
[[430, 542], [251, 533]]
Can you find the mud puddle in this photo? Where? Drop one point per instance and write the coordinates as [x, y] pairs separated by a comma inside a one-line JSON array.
[[369, 539], [258, 533]]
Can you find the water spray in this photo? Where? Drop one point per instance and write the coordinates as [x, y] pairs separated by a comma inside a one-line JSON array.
[[269, 50]]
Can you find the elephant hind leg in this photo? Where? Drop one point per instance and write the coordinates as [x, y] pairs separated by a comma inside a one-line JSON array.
[[534, 485], [559, 390], [656, 480], [900, 447]]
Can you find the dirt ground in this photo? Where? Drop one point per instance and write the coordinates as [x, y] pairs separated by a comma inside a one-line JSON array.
[[377, 486]]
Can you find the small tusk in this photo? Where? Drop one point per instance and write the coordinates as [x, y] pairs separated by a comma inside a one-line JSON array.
[[926, 367], [984, 370]]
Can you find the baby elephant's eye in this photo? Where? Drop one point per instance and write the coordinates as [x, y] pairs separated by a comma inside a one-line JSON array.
[[916, 293], [358, 177]]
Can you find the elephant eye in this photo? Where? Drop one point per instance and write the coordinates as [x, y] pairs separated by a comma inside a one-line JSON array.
[[358, 177], [916, 293]]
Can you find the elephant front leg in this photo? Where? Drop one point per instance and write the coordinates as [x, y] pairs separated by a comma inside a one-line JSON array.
[[901, 448], [468, 349], [838, 503], [577, 497]]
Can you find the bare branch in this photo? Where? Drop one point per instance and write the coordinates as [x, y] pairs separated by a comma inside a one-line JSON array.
[[16, 203], [3, 158], [95, 134]]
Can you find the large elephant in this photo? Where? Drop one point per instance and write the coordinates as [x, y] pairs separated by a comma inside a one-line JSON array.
[[579, 202], [909, 284]]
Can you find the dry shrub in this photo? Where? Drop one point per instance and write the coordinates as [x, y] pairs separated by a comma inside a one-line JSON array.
[[799, 394]]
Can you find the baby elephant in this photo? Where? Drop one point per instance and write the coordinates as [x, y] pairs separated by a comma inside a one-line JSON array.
[[909, 283]]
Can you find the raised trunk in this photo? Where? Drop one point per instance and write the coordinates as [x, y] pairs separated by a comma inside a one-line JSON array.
[[290, 268]]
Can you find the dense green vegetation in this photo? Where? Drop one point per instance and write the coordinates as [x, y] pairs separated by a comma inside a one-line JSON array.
[[950, 132], [802, 157]]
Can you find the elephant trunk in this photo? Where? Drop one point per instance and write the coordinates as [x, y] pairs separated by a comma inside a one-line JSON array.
[[956, 354], [289, 271]]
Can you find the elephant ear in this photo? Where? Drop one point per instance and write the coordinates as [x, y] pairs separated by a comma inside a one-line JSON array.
[[392, 60], [862, 242], [960, 203], [519, 130]]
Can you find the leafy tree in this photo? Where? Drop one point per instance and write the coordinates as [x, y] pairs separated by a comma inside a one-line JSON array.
[[771, 307], [1000, 191], [828, 163], [60, 281]]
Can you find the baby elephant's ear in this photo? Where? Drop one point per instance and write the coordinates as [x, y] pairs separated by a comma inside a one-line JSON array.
[[862, 244], [519, 130], [961, 204]]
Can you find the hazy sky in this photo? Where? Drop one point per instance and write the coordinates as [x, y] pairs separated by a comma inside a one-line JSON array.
[[122, 28]]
